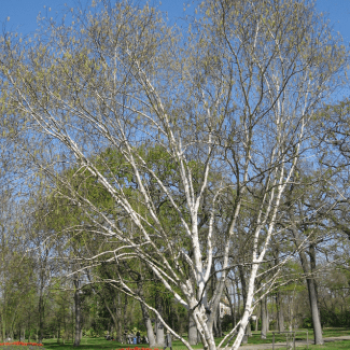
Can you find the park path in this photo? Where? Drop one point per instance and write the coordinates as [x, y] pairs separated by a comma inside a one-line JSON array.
[[298, 343]]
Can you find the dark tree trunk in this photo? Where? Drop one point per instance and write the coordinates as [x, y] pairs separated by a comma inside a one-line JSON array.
[[179, 322], [216, 327], [313, 297], [58, 333], [218, 320], [125, 321], [267, 317], [3, 328], [312, 288], [145, 312], [114, 312], [278, 299], [279, 307], [118, 315], [264, 320], [78, 316], [311, 284], [238, 302], [41, 317], [28, 325], [316, 322], [234, 309], [232, 305], [42, 275]]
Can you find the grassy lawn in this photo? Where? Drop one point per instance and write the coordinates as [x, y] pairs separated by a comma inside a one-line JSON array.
[[300, 335], [335, 332], [338, 345], [88, 343], [100, 343]]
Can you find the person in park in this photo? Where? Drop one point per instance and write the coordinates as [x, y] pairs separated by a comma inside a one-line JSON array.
[[167, 343], [127, 337], [138, 336]]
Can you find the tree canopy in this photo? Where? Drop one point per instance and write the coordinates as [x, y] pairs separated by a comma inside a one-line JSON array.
[[176, 150]]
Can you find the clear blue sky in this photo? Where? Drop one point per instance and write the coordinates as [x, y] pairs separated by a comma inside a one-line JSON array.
[[23, 13]]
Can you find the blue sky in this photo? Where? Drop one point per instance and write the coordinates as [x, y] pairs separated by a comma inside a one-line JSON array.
[[23, 13]]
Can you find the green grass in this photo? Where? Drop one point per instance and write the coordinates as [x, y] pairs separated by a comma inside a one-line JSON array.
[[337, 345], [89, 343], [335, 332], [300, 335], [86, 343]]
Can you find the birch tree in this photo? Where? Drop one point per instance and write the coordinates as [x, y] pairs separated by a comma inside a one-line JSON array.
[[235, 94]]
